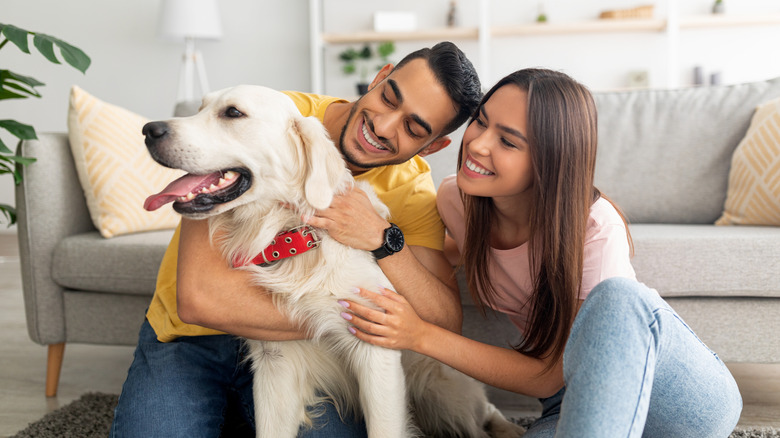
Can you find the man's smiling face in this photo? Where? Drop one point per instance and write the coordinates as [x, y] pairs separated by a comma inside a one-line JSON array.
[[403, 113]]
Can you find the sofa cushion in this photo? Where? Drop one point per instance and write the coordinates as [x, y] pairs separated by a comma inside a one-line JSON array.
[[753, 197], [114, 168], [664, 155], [124, 264], [708, 260]]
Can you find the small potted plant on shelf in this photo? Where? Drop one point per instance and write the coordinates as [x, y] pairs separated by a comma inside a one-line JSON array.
[[16, 86], [358, 61], [718, 7]]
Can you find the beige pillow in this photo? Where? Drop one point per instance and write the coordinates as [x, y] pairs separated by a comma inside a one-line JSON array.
[[754, 180], [115, 171]]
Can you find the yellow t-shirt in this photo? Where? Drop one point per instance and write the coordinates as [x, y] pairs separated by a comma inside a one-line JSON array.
[[407, 189]]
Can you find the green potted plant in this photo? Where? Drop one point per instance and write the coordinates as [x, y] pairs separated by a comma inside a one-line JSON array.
[[358, 61], [17, 86]]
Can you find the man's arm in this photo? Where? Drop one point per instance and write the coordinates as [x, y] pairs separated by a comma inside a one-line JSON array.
[[212, 294], [422, 275]]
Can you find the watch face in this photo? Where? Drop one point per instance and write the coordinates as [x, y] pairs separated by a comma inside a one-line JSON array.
[[394, 238]]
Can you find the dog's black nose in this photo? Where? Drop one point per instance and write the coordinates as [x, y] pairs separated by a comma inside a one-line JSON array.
[[157, 136], [155, 131]]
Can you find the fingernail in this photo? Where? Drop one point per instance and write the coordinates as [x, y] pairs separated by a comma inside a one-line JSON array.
[[344, 303], [355, 290], [346, 316], [352, 330]]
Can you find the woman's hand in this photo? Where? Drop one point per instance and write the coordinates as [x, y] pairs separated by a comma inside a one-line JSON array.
[[397, 327]]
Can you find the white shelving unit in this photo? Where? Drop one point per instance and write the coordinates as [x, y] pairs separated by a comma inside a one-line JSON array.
[[670, 26]]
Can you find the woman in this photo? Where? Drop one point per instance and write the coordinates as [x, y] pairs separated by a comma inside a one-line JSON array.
[[605, 355]]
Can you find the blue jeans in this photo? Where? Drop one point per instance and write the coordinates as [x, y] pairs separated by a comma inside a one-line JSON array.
[[633, 368], [182, 388]]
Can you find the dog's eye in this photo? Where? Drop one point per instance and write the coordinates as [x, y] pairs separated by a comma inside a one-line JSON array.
[[232, 112]]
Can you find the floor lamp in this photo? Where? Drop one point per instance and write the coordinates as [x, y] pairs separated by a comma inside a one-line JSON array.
[[189, 20]]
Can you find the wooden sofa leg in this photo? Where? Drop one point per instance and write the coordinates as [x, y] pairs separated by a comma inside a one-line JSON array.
[[53, 368]]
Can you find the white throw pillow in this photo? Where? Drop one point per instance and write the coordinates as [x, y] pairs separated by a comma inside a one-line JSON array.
[[114, 168]]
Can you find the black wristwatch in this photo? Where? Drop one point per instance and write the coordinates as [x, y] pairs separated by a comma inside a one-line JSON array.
[[394, 242]]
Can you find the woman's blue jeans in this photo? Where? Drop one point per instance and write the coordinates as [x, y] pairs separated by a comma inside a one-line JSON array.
[[182, 388], [633, 368]]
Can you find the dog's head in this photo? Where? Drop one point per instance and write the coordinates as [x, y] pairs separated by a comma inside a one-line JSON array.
[[245, 144]]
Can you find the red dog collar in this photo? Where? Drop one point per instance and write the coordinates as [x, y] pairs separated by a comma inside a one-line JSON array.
[[287, 244]]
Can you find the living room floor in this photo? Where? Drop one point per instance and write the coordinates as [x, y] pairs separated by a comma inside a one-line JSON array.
[[90, 368]]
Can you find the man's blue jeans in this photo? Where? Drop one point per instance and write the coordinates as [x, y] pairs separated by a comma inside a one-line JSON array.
[[181, 389], [633, 368]]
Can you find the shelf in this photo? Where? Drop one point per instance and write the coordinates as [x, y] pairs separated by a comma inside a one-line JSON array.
[[432, 34], [593, 26], [726, 20]]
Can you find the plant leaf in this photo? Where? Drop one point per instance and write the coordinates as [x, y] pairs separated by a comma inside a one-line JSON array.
[[5, 168], [22, 160], [25, 84], [8, 94], [365, 53], [3, 148], [19, 130], [71, 54], [9, 213], [46, 47], [348, 55], [29, 80], [44, 43], [386, 49], [17, 36], [14, 166]]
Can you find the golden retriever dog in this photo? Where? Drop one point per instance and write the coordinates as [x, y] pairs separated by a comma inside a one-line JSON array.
[[256, 166]]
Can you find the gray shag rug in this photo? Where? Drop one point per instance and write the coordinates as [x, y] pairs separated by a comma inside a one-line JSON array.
[[91, 415]]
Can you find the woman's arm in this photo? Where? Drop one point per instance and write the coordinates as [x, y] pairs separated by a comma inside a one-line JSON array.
[[211, 294], [399, 327], [422, 275]]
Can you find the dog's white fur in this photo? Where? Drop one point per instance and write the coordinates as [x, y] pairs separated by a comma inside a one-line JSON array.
[[292, 161]]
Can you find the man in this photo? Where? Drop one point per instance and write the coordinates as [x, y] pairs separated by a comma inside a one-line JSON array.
[[189, 363]]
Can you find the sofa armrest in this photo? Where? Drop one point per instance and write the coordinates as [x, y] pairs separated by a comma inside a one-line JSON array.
[[50, 205]]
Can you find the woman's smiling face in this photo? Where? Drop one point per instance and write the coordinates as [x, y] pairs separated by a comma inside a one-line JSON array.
[[496, 159]]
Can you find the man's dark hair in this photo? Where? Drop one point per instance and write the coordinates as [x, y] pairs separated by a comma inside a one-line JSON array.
[[456, 74]]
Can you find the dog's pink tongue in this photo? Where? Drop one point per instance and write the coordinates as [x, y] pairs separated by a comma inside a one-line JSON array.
[[178, 188]]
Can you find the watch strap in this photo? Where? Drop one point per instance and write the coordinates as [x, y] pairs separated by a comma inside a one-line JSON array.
[[381, 252]]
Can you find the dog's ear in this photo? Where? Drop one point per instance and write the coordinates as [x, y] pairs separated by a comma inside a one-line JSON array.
[[322, 164]]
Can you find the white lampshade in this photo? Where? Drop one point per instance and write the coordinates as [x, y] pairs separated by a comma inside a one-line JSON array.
[[180, 19]]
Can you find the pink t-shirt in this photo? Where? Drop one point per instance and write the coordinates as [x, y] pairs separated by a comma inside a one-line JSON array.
[[606, 253]]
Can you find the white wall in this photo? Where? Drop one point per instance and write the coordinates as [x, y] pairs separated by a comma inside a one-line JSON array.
[[264, 42], [267, 42]]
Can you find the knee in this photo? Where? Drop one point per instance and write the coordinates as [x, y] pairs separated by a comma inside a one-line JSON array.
[[620, 293], [616, 303]]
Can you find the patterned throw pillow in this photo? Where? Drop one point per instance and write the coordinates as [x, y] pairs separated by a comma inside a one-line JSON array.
[[114, 168], [754, 180]]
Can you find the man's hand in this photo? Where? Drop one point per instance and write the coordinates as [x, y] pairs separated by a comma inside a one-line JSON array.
[[352, 221]]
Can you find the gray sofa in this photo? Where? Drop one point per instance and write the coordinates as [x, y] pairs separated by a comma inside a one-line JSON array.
[[664, 157]]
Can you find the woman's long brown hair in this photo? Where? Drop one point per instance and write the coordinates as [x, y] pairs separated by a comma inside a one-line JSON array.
[[562, 136]]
